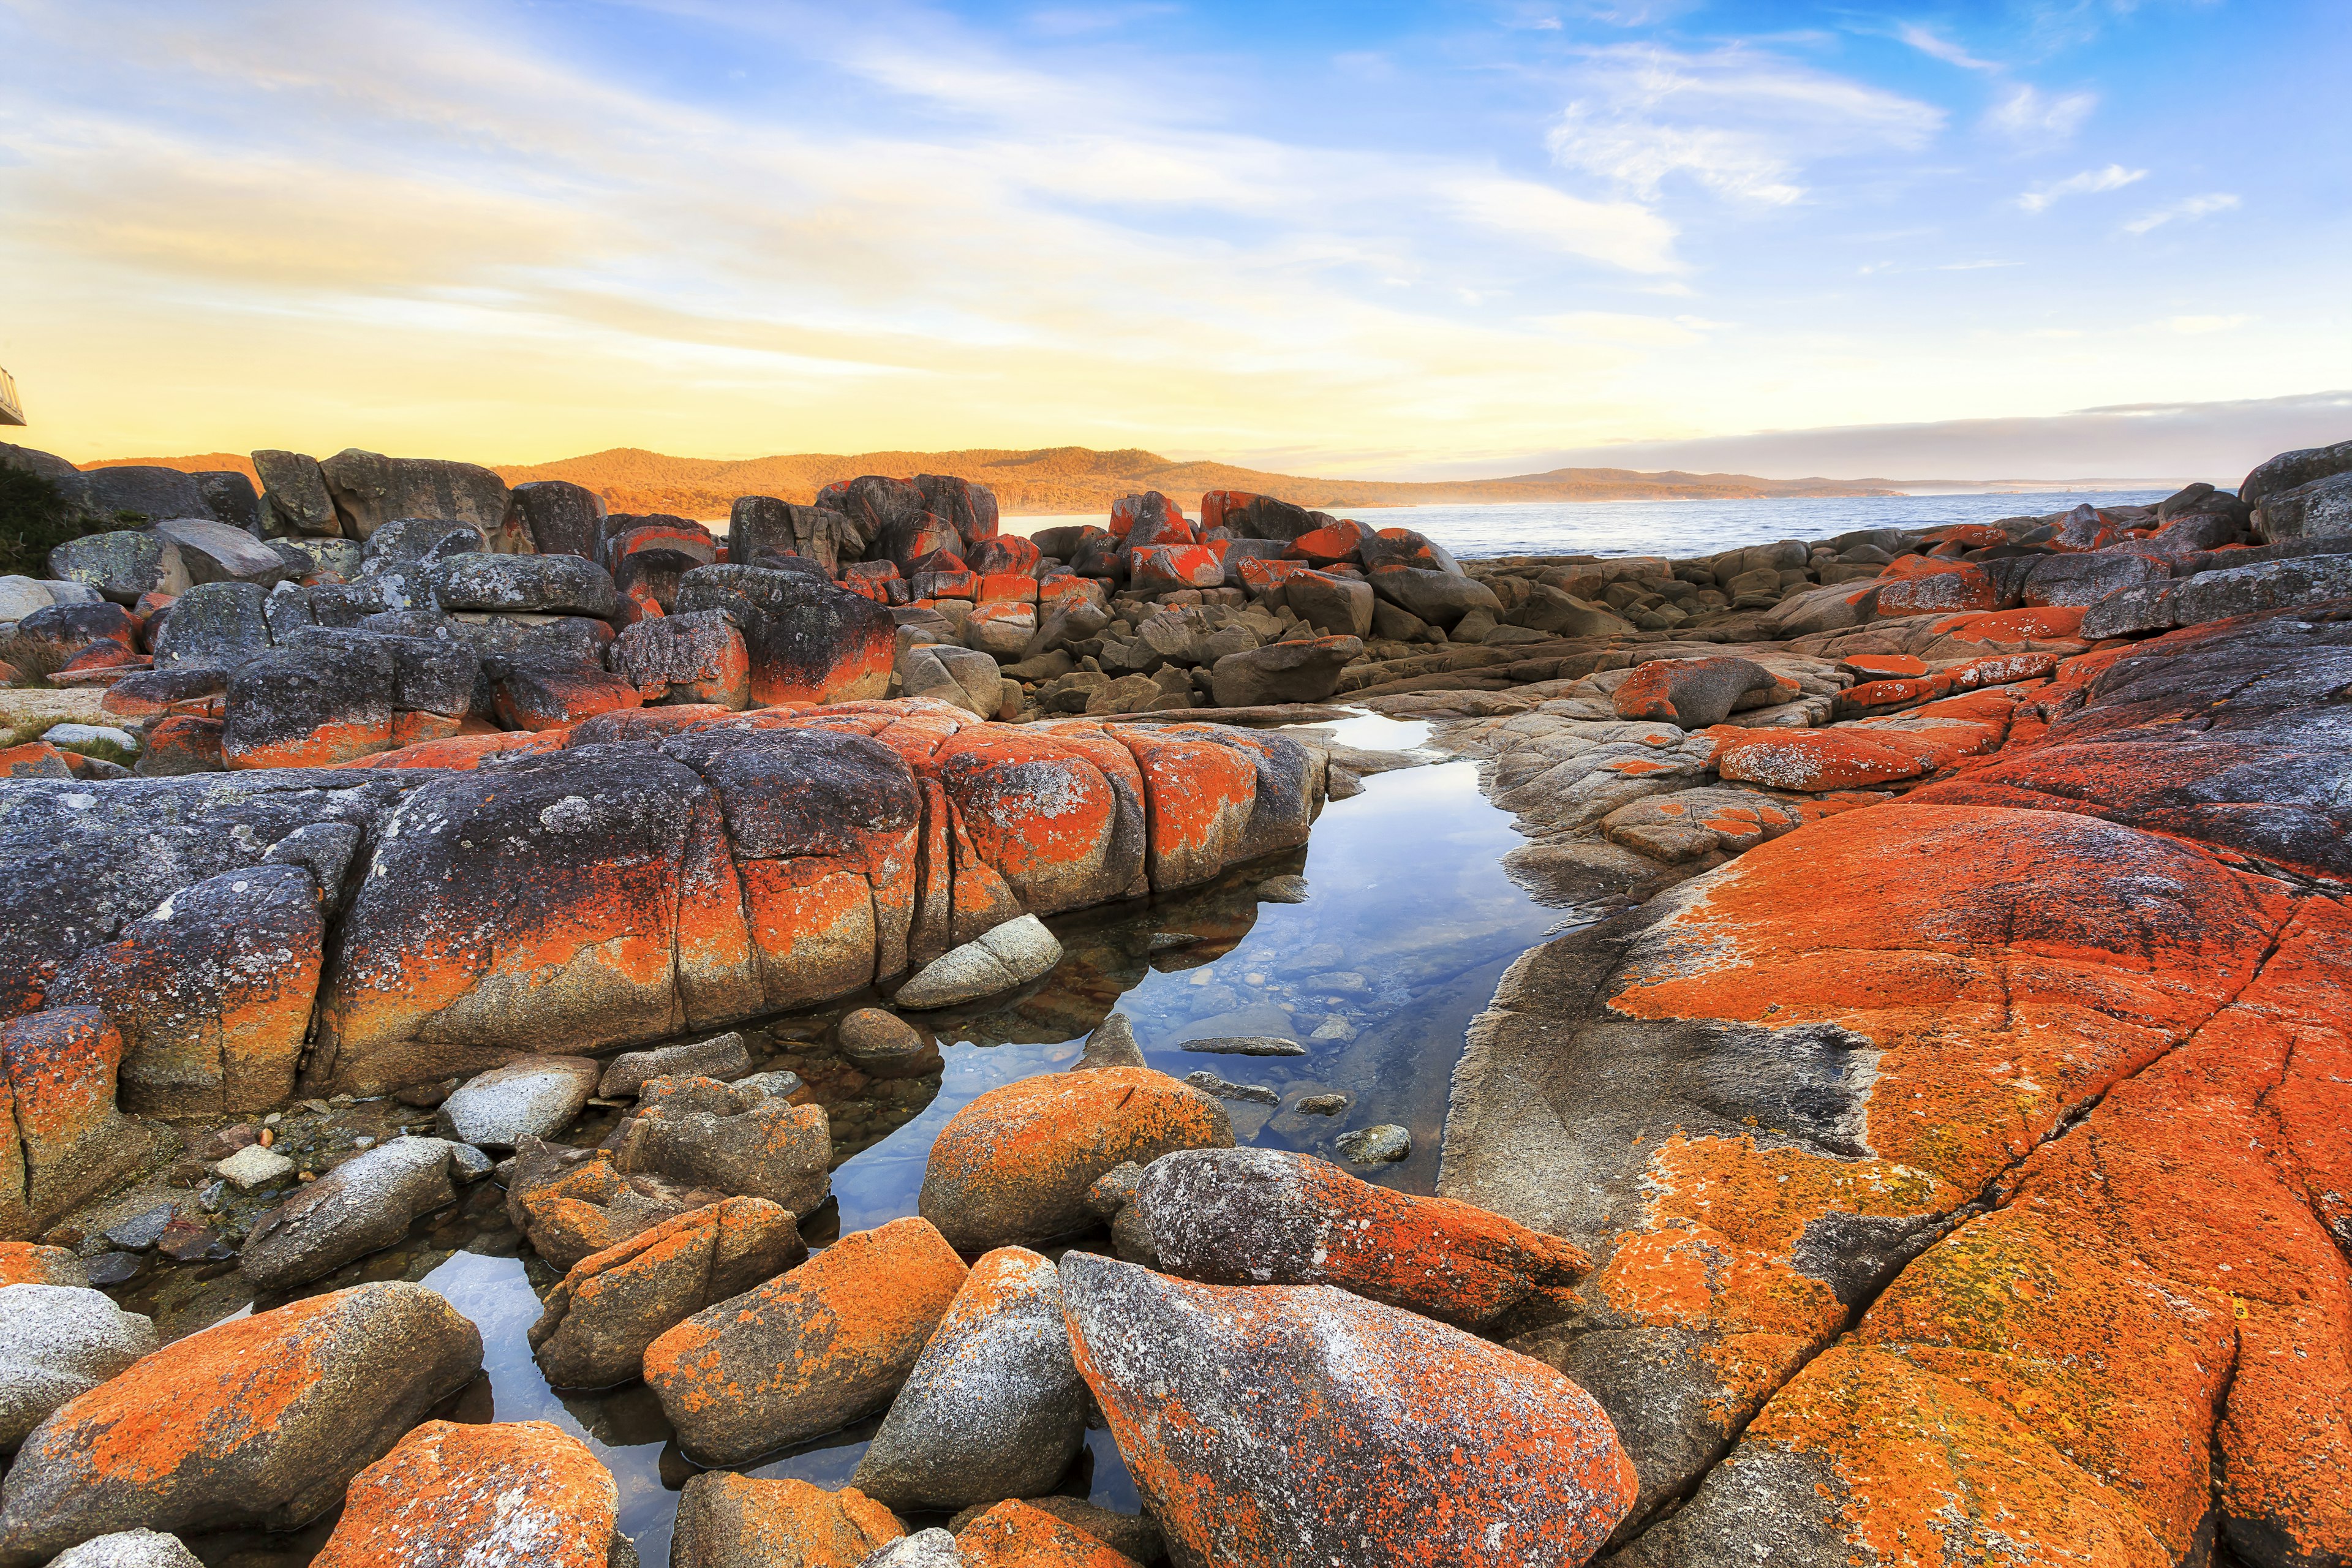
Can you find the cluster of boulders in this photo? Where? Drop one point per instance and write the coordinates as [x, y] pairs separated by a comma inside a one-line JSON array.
[[1273, 1335], [1953, 1113], [1940, 1153]]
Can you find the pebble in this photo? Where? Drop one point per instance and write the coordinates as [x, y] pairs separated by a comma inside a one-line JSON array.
[[115, 1269], [254, 1166], [1169, 941], [1246, 1046], [186, 1241], [209, 1198], [1283, 891], [1376, 1146], [141, 1231], [880, 1044], [1210, 1082], [1322, 1105]]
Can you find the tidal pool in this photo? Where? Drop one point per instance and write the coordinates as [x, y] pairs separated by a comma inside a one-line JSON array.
[[1408, 922]]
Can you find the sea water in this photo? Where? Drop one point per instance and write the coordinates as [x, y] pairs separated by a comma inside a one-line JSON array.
[[1683, 528]]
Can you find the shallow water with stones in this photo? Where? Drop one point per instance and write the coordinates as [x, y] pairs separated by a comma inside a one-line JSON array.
[[1408, 924]]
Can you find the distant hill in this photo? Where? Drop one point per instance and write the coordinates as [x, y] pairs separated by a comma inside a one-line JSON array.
[[1078, 480], [1074, 480], [202, 463]]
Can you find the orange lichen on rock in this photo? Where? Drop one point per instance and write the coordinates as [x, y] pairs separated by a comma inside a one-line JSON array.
[[29, 1263], [1014, 1535], [1301, 1424], [807, 1352], [452, 1497], [740, 1521], [1013, 1166], [255, 1421], [1256, 1216]]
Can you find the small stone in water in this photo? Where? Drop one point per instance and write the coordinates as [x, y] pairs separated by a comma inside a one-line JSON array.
[[255, 1167], [1322, 1105], [1212, 1084], [184, 1241], [1169, 941], [141, 1231], [1246, 1046], [115, 1269], [209, 1199], [1376, 1146], [1283, 891], [273, 1119]]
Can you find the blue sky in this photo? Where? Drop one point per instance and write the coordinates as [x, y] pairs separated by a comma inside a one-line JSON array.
[[1391, 239]]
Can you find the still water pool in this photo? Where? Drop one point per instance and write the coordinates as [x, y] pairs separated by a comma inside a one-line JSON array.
[[1407, 925]]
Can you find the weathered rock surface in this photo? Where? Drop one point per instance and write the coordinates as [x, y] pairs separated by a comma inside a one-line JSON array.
[[1013, 1166], [533, 1099], [1264, 1217], [726, 1521], [611, 1304], [363, 1204], [1015, 1534], [994, 1407], [730, 1139], [293, 1404], [455, 1497], [58, 1342], [810, 1351], [1296, 1424], [128, 1549]]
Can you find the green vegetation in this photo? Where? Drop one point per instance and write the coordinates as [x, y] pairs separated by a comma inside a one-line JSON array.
[[35, 518]]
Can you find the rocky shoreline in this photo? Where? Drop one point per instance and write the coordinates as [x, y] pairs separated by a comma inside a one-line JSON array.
[[1921, 1146]]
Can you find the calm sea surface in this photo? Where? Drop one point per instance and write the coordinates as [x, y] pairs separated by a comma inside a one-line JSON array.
[[1683, 528]]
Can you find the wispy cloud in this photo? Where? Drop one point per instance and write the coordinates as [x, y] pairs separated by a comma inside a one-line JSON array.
[[1929, 42], [2114, 177], [2026, 114], [2189, 208], [1739, 122]]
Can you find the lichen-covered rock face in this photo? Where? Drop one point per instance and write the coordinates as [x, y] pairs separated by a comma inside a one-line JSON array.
[[68, 1142], [994, 1407], [452, 1497], [561, 517], [1957, 1154], [1265, 1216], [1013, 1534], [1013, 1166], [1287, 1425], [260, 1420], [371, 490], [698, 658], [726, 1521], [603, 1314], [1693, 693], [805, 640], [211, 991], [572, 1211], [700, 1132], [808, 1351]]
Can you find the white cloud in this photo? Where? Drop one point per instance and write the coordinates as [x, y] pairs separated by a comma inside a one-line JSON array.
[[2114, 177], [2027, 114], [1619, 233], [1739, 122], [1931, 43], [2190, 208]]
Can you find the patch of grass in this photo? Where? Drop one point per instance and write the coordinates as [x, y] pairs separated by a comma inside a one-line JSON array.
[[35, 518]]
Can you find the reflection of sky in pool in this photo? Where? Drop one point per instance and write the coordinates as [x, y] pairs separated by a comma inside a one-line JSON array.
[[1408, 924]]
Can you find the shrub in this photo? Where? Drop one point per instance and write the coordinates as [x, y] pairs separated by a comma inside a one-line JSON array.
[[35, 518]]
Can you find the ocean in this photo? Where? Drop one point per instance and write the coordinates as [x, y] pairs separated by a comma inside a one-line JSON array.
[[1684, 528]]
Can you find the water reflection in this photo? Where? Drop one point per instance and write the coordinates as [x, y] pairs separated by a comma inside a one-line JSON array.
[[1408, 924]]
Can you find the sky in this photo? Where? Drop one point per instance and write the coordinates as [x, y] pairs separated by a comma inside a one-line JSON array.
[[2010, 238]]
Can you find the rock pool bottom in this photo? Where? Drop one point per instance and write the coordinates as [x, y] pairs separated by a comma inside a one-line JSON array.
[[1408, 922]]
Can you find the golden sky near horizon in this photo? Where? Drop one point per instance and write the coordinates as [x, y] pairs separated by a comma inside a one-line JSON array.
[[498, 232]]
